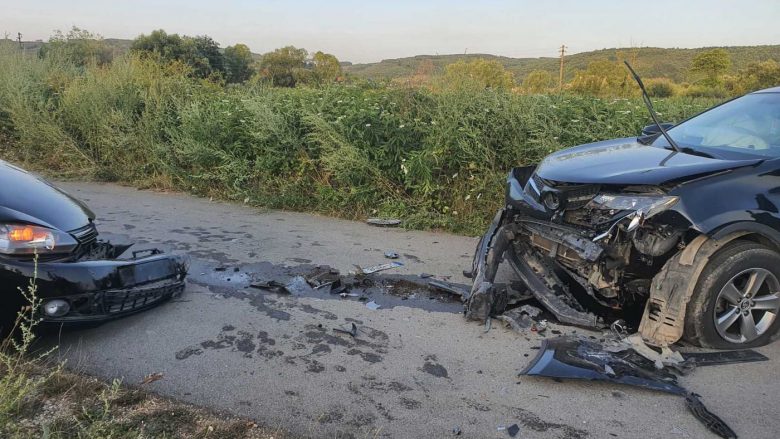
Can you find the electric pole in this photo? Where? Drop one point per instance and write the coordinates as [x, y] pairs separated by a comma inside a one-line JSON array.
[[19, 39], [560, 74]]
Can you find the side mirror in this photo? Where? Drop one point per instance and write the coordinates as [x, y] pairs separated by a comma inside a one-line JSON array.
[[652, 130]]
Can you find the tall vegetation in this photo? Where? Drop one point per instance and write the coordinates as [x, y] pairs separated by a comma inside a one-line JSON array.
[[436, 156]]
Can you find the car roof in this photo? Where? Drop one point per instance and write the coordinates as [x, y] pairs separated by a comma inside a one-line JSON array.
[[768, 90]]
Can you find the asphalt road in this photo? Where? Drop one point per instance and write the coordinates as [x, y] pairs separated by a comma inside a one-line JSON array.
[[416, 369]]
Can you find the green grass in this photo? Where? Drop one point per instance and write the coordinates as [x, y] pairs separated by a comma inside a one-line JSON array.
[[437, 159]]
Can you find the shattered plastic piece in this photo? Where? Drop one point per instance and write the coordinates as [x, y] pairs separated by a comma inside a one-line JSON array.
[[372, 305], [352, 331], [271, 285], [391, 255], [383, 222], [516, 319], [574, 358], [723, 357], [513, 430], [532, 311], [381, 267], [709, 419], [448, 287], [425, 275], [456, 431]]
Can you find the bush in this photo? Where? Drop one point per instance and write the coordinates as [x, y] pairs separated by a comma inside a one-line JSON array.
[[436, 158], [660, 88]]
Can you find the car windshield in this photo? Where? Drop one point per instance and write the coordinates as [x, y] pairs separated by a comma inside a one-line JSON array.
[[749, 124]]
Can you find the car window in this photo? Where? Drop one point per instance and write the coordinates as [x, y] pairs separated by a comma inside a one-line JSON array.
[[749, 124]]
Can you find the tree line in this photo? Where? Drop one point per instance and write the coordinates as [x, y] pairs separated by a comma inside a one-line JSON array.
[[203, 57], [290, 66]]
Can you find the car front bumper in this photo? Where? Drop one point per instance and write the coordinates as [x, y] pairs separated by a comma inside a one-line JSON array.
[[95, 290]]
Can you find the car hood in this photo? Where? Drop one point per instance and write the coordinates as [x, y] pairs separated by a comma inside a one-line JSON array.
[[27, 198], [626, 161]]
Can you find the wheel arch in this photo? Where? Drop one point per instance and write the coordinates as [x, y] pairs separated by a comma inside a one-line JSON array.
[[663, 320]]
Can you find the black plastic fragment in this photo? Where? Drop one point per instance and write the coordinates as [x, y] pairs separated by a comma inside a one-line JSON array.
[[447, 287], [575, 358], [513, 430], [723, 357], [709, 419], [352, 331]]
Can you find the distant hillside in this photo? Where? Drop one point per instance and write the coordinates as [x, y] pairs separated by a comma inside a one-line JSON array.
[[650, 62]]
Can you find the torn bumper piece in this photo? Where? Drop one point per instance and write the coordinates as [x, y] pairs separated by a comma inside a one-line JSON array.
[[97, 290], [573, 358], [576, 358]]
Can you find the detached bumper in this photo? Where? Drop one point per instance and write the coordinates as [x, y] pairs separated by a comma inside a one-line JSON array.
[[97, 290]]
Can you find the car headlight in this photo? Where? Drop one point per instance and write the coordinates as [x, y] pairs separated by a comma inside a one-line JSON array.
[[644, 206], [24, 239]]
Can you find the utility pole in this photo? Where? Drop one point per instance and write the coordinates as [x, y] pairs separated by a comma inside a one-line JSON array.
[[19, 39], [560, 74]]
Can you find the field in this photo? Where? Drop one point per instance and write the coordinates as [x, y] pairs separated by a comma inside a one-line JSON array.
[[436, 159]]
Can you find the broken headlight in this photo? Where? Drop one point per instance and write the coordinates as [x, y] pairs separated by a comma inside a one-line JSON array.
[[644, 206], [24, 239]]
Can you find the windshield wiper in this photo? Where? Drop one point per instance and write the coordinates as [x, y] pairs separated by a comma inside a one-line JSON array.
[[649, 106]]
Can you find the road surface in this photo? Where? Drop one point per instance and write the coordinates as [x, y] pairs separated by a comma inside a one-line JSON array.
[[416, 368]]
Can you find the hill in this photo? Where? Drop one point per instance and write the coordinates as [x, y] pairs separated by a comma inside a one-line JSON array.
[[650, 62]]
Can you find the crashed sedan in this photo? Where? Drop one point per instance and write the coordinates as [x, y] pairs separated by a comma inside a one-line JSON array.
[[49, 236], [676, 231]]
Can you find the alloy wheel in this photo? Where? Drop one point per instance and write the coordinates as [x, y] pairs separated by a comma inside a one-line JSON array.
[[747, 305]]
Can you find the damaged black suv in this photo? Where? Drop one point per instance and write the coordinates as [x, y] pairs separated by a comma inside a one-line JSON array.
[[676, 231], [50, 237]]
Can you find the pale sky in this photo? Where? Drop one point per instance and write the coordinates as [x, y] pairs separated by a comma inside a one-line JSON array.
[[368, 31]]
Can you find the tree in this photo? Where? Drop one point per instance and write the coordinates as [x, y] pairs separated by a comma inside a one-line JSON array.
[[711, 64], [482, 72], [282, 65], [201, 53], [755, 76], [326, 68], [238, 63], [538, 81], [167, 47], [78, 46]]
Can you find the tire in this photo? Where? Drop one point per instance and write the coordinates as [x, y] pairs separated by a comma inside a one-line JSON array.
[[720, 296]]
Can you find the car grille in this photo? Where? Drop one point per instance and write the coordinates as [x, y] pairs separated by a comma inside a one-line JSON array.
[[576, 195], [120, 301], [86, 236]]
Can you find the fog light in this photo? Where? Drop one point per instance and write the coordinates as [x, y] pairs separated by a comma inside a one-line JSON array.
[[56, 308]]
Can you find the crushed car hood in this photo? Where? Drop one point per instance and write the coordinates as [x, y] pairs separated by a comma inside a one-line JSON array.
[[27, 198], [626, 161]]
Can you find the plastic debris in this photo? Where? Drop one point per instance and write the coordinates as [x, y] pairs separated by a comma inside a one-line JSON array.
[[381, 267], [709, 419], [351, 331], [383, 222], [513, 430], [448, 287], [372, 305], [391, 255], [456, 431]]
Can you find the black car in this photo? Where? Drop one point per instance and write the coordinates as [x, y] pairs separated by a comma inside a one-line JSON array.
[[50, 236], [677, 232]]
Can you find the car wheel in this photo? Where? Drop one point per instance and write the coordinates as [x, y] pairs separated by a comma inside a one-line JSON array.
[[736, 301]]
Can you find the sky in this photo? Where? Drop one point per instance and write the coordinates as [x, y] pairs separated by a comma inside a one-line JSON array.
[[369, 31]]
